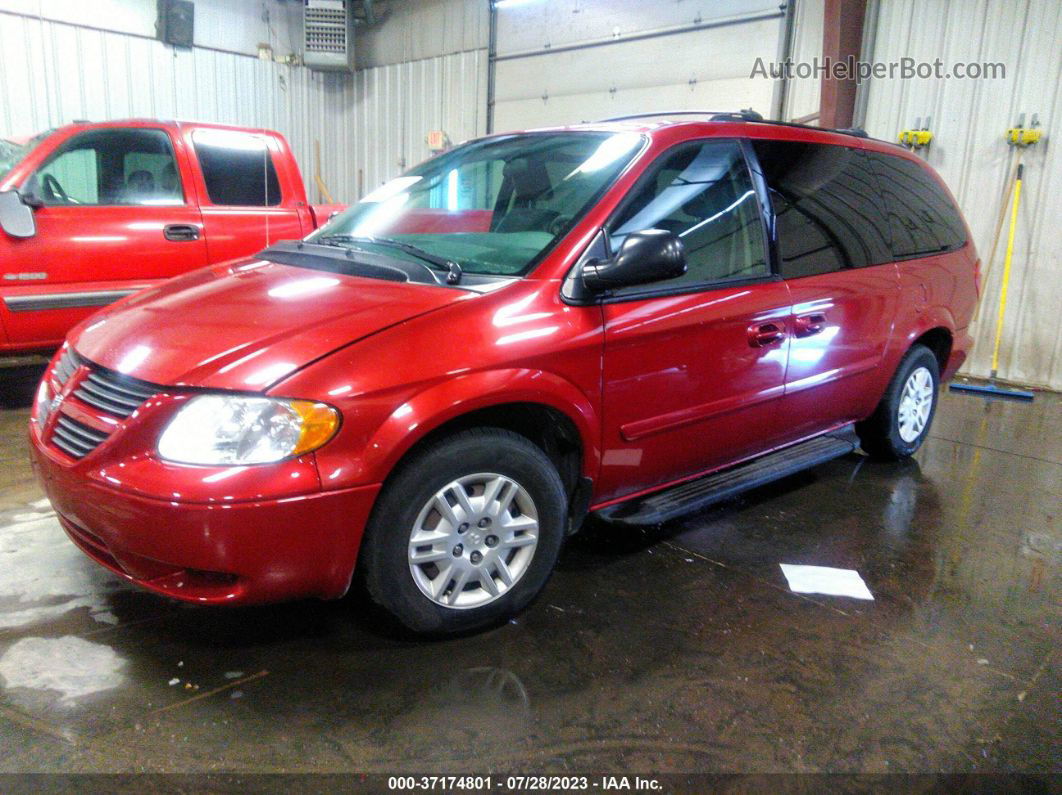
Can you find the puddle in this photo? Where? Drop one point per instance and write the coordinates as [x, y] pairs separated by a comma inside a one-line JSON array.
[[70, 666], [44, 575]]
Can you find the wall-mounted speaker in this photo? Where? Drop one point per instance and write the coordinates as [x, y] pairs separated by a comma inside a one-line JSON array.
[[176, 22]]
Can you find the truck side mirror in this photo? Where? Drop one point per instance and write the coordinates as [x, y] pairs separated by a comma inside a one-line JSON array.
[[16, 218], [652, 255]]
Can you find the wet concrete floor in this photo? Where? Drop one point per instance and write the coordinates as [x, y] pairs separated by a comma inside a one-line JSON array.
[[678, 648]]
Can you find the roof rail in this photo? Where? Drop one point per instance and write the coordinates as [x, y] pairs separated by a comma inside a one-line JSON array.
[[714, 115], [746, 114], [858, 132]]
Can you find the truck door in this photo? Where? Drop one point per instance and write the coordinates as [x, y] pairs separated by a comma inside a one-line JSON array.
[[116, 215], [245, 205], [694, 367]]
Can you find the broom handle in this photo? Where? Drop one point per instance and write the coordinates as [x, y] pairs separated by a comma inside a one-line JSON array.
[[1004, 203], [1006, 271]]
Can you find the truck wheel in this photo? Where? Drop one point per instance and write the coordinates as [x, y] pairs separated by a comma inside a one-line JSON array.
[[901, 421], [466, 533]]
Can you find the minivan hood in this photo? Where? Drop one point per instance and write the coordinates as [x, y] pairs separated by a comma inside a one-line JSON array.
[[246, 325]]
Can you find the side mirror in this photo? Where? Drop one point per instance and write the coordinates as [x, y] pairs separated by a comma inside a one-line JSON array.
[[16, 218], [652, 255]]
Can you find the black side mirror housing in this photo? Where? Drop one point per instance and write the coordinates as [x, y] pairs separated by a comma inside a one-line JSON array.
[[652, 255], [16, 217]]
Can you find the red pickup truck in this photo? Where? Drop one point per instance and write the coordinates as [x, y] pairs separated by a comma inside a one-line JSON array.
[[94, 212]]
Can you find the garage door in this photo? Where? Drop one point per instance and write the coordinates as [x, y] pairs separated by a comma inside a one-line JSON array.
[[579, 60]]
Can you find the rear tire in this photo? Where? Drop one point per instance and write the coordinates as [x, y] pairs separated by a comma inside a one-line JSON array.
[[901, 421], [465, 534]]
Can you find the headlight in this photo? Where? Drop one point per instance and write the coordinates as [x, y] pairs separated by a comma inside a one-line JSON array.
[[218, 430]]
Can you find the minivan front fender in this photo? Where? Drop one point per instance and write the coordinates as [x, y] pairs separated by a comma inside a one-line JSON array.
[[448, 401]]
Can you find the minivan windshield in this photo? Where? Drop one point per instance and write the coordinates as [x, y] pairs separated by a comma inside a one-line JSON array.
[[494, 206], [13, 150]]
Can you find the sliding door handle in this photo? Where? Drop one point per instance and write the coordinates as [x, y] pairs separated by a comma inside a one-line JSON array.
[[763, 334], [807, 325]]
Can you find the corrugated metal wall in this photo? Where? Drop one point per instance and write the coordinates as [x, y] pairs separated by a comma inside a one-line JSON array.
[[418, 29], [231, 25], [969, 118], [802, 94], [370, 125], [568, 61]]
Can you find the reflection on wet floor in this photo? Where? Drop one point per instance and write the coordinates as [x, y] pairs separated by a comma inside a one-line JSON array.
[[677, 648]]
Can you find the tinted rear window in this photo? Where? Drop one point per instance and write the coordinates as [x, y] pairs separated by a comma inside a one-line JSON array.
[[922, 218], [828, 208], [237, 168]]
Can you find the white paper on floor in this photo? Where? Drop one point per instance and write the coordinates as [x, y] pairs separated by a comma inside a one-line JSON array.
[[824, 580]]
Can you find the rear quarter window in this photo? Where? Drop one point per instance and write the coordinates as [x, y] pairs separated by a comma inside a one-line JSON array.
[[922, 218], [237, 168], [829, 213]]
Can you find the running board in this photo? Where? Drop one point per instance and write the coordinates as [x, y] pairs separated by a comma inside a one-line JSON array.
[[718, 486]]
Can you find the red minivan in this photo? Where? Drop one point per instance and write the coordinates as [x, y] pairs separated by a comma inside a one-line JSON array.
[[634, 319]]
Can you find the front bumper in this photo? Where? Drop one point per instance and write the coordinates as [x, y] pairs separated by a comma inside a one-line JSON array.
[[262, 550]]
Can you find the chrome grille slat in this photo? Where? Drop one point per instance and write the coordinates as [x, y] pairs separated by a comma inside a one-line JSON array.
[[75, 438], [73, 452], [103, 403], [103, 394], [133, 390], [90, 435], [83, 448], [66, 366], [114, 393]]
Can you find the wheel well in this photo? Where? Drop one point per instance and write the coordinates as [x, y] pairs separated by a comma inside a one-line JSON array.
[[937, 340], [545, 427]]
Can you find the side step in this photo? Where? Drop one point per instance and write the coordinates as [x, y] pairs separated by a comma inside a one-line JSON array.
[[718, 486]]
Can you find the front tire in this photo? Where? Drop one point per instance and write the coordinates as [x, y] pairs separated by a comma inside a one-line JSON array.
[[466, 533], [901, 421]]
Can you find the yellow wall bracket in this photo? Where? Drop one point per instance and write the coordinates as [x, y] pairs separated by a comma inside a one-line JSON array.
[[916, 139], [1023, 136]]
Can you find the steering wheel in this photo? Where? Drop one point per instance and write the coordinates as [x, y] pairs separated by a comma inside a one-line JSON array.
[[559, 224], [51, 184]]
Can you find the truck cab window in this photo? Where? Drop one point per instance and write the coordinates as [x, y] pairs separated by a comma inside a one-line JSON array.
[[110, 167], [237, 168]]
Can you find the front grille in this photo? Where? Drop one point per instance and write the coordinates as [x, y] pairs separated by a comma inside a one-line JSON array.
[[75, 438], [66, 366], [116, 394]]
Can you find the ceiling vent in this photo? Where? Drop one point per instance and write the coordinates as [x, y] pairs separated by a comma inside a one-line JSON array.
[[328, 43]]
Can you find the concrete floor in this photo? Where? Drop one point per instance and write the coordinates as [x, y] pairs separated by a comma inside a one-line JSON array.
[[676, 649]]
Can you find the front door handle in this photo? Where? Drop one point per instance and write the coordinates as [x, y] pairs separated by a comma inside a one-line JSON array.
[[180, 233], [808, 325], [763, 334]]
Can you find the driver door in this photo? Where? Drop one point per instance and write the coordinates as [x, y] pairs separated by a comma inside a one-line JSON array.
[[117, 216], [694, 367]]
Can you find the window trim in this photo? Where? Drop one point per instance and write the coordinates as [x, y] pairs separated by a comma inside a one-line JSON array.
[[65, 147], [664, 291]]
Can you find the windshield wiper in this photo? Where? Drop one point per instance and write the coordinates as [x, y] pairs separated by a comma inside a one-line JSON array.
[[453, 270]]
